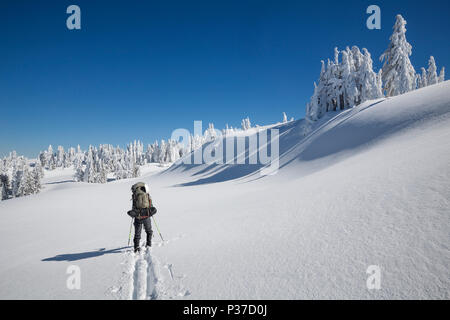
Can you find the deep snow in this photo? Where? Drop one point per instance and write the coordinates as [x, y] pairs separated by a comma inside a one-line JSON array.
[[366, 186]]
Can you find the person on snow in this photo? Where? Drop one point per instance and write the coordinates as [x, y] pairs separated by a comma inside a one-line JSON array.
[[141, 212]]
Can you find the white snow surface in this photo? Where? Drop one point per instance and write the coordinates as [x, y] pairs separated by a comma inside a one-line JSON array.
[[366, 186]]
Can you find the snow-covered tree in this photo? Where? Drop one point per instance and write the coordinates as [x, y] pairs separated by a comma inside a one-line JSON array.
[[163, 152], [432, 77], [350, 92], [39, 169], [60, 157], [78, 165], [4, 186], [156, 152], [246, 124], [101, 172], [228, 130], [20, 182], [136, 171], [442, 75], [196, 142], [70, 157], [313, 108], [89, 171], [210, 133], [422, 79], [398, 73], [33, 181], [369, 82]]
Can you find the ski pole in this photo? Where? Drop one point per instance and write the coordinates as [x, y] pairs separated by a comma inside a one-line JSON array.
[[156, 225], [129, 236]]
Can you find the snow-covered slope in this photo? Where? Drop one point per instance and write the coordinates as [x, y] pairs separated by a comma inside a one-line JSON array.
[[366, 186]]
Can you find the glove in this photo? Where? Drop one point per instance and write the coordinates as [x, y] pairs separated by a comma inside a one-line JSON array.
[[152, 211], [132, 213]]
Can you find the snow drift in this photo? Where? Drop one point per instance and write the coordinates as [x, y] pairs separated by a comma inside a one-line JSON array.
[[366, 186]]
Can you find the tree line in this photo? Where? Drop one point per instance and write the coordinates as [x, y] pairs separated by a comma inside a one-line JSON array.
[[20, 176]]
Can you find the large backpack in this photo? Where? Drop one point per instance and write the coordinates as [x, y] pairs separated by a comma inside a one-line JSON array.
[[141, 198]]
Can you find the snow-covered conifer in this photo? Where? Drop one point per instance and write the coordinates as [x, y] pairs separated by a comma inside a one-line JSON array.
[[422, 79], [35, 179], [60, 157], [210, 133], [89, 172], [432, 77], [368, 83], [101, 172], [246, 124], [4, 186], [20, 181], [442, 75], [163, 152], [350, 90], [399, 75]]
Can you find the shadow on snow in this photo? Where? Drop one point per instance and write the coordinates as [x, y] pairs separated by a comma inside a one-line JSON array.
[[83, 255]]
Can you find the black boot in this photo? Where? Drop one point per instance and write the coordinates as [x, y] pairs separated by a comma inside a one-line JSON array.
[[149, 239], [137, 244], [137, 250]]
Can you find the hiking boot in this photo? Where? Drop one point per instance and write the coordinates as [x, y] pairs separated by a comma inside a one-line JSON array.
[[137, 250]]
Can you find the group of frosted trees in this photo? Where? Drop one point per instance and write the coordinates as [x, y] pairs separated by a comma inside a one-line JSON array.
[[18, 178], [350, 80], [430, 76], [345, 82], [96, 164], [60, 159]]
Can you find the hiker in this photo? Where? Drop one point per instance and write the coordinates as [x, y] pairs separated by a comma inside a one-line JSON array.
[[141, 212]]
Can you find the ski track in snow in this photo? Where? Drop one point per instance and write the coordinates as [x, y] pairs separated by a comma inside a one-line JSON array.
[[144, 279]]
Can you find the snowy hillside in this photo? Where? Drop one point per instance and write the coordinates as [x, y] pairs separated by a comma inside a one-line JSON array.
[[365, 186]]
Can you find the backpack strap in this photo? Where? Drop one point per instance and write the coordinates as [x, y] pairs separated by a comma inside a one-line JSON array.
[[149, 205]]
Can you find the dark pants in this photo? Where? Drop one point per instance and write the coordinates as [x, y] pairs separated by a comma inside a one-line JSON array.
[[138, 228]]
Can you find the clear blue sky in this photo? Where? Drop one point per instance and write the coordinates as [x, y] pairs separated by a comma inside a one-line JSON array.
[[139, 69]]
